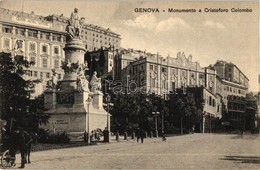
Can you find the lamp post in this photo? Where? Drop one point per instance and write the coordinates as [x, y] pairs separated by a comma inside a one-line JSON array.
[[108, 98], [156, 130], [88, 101], [203, 117], [162, 123]]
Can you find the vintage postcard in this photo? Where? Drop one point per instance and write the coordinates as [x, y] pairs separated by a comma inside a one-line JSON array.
[[129, 84]]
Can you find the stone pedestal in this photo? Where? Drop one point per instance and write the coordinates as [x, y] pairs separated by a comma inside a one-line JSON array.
[[67, 106]]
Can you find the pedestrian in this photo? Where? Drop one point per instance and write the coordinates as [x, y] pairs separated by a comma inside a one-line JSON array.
[[137, 134], [163, 137], [125, 135], [97, 135], [18, 142], [133, 135], [106, 134], [28, 145], [142, 135], [117, 136]]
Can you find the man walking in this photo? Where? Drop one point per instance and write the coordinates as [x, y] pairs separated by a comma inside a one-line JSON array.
[[142, 134], [137, 134]]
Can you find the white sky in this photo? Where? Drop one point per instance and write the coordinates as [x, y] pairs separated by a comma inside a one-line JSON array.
[[208, 37]]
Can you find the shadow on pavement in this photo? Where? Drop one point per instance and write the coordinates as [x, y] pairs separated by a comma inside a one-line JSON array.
[[247, 137], [243, 159]]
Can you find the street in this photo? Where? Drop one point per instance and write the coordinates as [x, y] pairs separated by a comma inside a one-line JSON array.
[[196, 151]]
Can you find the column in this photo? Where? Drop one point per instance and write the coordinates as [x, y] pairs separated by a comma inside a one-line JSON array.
[[51, 56], [178, 84], [188, 77], [13, 30], [51, 36], [38, 57], [1, 30], [39, 35], [61, 38], [197, 77], [215, 82], [26, 49], [26, 33]]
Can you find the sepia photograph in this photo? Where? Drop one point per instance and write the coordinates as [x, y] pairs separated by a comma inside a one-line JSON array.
[[130, 84]]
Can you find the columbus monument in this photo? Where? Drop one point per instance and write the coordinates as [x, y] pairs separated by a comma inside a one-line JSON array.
[[75, 104]]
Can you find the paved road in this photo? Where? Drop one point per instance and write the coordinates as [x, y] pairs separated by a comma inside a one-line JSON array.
[[197, 151]]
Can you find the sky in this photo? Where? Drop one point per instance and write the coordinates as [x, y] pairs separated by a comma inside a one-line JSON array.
[[207, 36]]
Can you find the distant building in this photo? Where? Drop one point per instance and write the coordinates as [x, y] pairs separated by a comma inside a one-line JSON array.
[[43, 39], [234, 90]]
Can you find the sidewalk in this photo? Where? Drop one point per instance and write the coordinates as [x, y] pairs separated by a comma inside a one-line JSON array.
[[46, 146]]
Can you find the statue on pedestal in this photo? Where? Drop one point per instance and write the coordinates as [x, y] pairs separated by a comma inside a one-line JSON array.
[[95, 83], [75, 25], [52, 83], [82, 79]]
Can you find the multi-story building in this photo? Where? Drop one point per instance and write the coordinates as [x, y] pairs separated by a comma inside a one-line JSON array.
[[231, 73], [93, 36], [224, 84], [101, 61], [234, 90], [42, 39], [151, 73]]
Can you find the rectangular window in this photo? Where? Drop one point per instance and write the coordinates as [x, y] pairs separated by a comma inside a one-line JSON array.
[[59, 76], [33, 60], [35, 74], [32, 47], [56, 37], [32, 34], [7, 29], [173, 86], [19, 31], [163, 69], [44, 62], [7, 43], [174, 71], [44, 48], [151, 67], [47, 75], [153, 82], [56, 50], [56, 63], [41, 75], [45, 36]]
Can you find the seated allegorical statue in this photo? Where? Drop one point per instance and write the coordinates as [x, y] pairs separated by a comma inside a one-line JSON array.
[[52, 83], [95, 83], [82, 80]]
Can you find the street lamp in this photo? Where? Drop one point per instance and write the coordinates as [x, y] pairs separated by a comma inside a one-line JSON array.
[[108, 98], [156, 130], [88, 101], [203, 117], [162, 123]]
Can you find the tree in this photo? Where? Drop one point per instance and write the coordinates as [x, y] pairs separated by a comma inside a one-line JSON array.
[[135, 110], [183, 112], [16, 102]]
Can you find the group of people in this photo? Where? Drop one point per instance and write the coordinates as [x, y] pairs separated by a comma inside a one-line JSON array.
[[95, 136]]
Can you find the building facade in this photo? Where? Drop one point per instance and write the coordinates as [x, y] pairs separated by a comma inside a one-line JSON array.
[[151, 73], [42, 39], [234, 90], [224, 84]]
